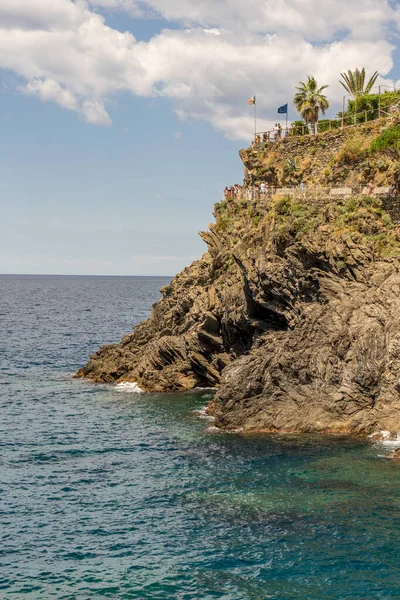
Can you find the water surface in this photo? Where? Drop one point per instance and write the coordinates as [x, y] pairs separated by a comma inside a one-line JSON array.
[[108, 494]]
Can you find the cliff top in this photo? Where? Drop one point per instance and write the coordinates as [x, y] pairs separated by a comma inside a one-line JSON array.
[[352, 156]]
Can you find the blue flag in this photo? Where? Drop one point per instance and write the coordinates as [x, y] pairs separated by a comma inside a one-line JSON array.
[[282, 110]]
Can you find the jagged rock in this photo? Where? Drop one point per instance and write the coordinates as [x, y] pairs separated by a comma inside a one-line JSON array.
[[334, 372], [297, 322], [211, 324]]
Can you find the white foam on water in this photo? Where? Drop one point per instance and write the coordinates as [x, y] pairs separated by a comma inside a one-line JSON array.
[[213, 429], [127, 387], [380, 435], [393, 443], [386, 439], [202, 413]]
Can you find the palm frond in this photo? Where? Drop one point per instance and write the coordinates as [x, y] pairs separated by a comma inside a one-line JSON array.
[[309, 100], [371, 82], [354, 82]]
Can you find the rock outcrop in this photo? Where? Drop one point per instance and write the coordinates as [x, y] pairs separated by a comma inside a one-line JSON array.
[[293, 313]]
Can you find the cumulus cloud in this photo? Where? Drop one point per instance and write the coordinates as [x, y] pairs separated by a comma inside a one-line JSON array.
[[49, 89], [224, 52], [41, 14], [95, 112], [313, 18]]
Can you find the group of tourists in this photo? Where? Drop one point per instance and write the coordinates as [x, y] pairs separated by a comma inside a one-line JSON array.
[[269, 136], [250, 192], [233, 191], [267, 190], [255, 192], [261, 191], [277, 133]]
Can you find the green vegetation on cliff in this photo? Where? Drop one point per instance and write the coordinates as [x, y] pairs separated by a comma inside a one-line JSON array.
[[351, 157], [388, 139], [330, 225], [359, 220]]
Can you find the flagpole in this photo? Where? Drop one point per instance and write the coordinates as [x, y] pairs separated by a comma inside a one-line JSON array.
[[255, 118]]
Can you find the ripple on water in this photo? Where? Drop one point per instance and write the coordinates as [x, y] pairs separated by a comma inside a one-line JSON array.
[[107, 493]]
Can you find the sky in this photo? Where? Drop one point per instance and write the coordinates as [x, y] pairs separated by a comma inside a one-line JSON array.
[[121, 120]]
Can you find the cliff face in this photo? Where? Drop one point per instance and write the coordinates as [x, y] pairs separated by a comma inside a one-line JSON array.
[[292, 313]]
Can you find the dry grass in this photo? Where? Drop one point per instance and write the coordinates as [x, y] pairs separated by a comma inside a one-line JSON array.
[[353, 150]]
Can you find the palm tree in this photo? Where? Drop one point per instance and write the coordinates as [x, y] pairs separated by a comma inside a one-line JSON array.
[[354, 82], [309, 100]]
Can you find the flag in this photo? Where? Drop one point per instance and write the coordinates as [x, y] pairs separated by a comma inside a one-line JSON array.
[[252, 100], [282, 110]]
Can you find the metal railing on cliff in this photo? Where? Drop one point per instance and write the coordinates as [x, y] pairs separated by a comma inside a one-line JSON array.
[[309, 191], [385, 108]]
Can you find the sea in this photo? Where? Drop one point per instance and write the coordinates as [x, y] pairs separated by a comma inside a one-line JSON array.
[[109, 493]]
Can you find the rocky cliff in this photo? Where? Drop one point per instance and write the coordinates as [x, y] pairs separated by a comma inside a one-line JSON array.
[[293, 313]]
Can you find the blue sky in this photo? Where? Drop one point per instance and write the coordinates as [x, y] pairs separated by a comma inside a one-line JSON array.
[[125, 199], [121, 122]]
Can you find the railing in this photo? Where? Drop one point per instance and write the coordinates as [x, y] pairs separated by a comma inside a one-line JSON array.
[[309, 191], [354, 119], [274, 135]]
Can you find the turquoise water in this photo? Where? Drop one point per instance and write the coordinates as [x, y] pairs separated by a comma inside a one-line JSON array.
[[109, 494]]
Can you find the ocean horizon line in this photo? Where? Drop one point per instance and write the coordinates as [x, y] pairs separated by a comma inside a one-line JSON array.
[[79, 275]]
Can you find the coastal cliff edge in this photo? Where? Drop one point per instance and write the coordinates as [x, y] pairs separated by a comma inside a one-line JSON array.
[[293, 312]]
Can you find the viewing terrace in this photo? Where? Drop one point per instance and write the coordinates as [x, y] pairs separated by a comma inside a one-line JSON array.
[[382, 105]]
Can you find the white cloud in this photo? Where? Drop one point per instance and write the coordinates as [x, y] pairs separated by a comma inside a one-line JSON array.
[[215, 76], [51, 90], [73, 58], [225, 52], [95, 112], [40, 14], [312, 18]]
